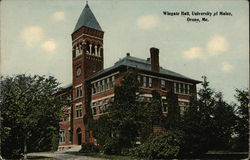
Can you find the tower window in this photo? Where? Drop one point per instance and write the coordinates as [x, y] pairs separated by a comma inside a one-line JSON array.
[[79, 92], [78, 111]]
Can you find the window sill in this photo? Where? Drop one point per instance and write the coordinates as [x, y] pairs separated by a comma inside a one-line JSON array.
[[79, 117], [183, 94], [102, 91], [78, 98]]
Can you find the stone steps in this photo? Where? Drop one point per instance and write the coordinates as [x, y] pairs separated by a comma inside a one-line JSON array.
[[69, 148]]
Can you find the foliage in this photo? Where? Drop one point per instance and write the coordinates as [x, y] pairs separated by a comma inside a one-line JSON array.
[[194, 141], [173, 117], [89, 148], [112, 146], [30, 112], [160, 145], [224, 120], [150, 114], [208, 122], [242, 126], [121, 122], [88, 118], [102, 129]]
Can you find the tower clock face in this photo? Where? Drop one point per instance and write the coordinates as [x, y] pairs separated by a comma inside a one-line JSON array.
[[78, 71]]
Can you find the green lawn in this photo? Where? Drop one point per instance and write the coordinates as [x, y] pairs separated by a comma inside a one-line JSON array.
[[100, 155]]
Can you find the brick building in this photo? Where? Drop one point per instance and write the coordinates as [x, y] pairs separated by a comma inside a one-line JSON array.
[[88, 70]]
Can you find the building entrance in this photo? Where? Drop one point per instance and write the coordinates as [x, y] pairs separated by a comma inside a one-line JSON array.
[[79, 136]]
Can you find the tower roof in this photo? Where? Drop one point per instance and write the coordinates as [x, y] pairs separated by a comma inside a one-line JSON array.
[[87, 19]]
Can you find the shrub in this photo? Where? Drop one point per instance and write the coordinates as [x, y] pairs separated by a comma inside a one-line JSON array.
[[112, 146], [89, 148], [160, 145]]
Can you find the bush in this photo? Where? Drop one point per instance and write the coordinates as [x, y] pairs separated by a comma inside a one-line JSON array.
[[112, 146], [89, 148], [160, 145]]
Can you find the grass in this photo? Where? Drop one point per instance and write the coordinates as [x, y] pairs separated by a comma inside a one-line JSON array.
[[213, 156], [104, 156]]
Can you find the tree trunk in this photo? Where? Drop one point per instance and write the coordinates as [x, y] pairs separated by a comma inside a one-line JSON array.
[[25, 148]]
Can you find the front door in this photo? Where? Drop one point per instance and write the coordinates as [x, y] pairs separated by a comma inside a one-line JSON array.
[[79, 136]]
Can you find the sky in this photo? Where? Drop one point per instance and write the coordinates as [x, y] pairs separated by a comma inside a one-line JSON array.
[[36, 37]]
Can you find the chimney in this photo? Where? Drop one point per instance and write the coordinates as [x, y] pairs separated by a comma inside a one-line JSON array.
[[154, 56]]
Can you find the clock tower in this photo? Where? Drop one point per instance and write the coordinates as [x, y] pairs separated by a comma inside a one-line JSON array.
[[87, 59]]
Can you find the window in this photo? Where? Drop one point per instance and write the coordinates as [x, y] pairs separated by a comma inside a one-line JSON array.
[[139, 79], [113, 81], [62, 136], [101, 106], [94, 112], [183, 105], [66, 116], [150, 82], [175, 90], [78, 111], [94, 88], [163, 85], [70, 136], [144, 81], [79, 92], [103, 85], [164, 107], [181, 88], [107, 84], [98, 87]]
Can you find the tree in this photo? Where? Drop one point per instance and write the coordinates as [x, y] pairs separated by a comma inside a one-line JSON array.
[[195, 143], [118, 129], [151, 115], [208, 123], [102, 129], [242, 126], [123, 112], [31, 113], [224, 121], [173, 117]]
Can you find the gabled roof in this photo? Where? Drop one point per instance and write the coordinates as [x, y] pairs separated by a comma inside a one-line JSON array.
[[140, 64], [87, 19]]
